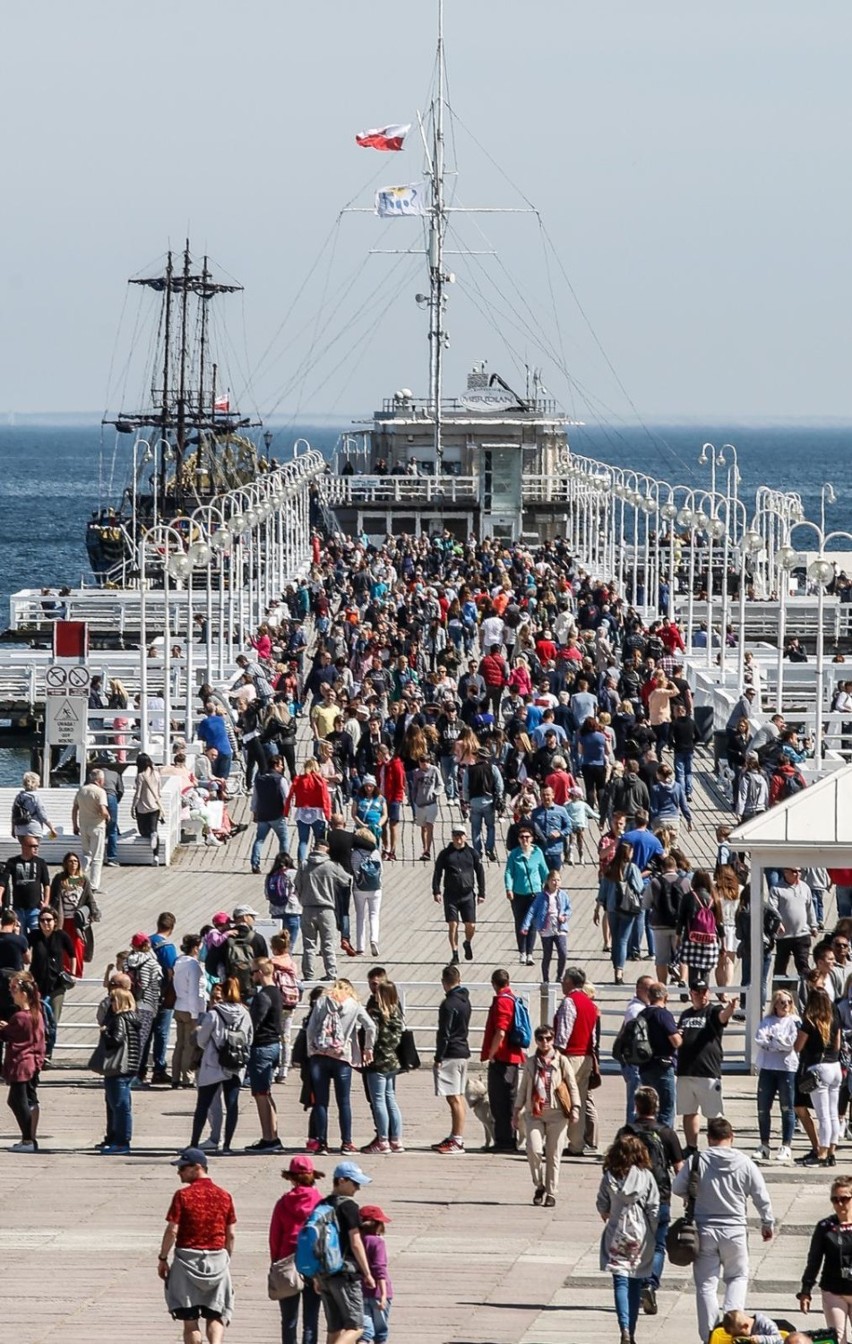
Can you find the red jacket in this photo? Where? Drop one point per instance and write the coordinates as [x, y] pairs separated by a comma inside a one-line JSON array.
[[289, 1217], [562, 782], [500, 1017], [392, 781], [672, 638], [493, 670], [308, 791]]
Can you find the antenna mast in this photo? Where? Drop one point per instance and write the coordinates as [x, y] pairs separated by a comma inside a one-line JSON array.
[[437, 230]]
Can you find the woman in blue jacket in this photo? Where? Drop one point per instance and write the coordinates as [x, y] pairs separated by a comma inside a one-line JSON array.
[[526, 872], [550, 913]]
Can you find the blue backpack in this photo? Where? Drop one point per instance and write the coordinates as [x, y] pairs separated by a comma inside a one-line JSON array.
[[369, 876], [318, 1249], [520, 1032]]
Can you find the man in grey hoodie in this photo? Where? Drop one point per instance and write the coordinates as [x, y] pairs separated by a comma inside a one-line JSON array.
[[320, 885], [726, 1181]]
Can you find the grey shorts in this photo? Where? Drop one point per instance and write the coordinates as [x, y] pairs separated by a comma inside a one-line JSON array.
[[426, 816], [343, 1301], [700, 1094], [450, 1077]]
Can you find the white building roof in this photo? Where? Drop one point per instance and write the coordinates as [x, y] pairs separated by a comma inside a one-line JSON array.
[[811, 829]]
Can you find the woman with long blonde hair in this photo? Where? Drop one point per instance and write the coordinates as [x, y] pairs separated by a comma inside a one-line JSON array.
[[384, 1008]]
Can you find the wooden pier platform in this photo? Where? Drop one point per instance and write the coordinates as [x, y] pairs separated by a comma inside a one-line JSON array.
[[473, 1262]]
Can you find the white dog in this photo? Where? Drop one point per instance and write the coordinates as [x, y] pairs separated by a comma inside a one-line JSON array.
[[476, 1096]]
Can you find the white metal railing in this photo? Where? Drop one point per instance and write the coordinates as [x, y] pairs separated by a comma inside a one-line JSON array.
[[360, 490]]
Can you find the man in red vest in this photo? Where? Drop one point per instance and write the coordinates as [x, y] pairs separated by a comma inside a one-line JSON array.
[[504, 1060], [576, 1029]]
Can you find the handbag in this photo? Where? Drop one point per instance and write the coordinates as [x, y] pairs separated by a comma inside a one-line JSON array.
[[284, 1279], [406, 1051], [682, 1236], [595, 1079], [809, 1081], [65, 980], [562, 1097]]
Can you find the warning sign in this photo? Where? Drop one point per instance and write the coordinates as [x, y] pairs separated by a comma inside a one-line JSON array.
[[66, 720]]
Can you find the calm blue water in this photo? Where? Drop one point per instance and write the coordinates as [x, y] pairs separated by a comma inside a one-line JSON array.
[[51, 478]]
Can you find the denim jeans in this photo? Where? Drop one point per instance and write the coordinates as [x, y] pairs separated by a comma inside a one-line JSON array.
[[548, 942], [627, 1293], [308, 830], [310, 1301], [622, 932], [293, 925], [660, 1245], [450, 776], [160, 1037], [112, 827], [630, 1074], [772, 1083], [117, 1093], [661, 1077], [324, 1072], [28, 919], [279, 829], [386, 1113], [376, 1321], [641, 927], [683, 770], [482, 811]]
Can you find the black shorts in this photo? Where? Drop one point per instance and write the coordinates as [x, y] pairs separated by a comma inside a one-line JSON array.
[[343, 1301], [195, 1314], [462, 910]]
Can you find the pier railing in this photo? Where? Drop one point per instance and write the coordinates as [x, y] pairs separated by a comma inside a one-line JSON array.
[[447, 489]]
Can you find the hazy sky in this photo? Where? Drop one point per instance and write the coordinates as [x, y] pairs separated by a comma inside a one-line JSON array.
[[691, 163]]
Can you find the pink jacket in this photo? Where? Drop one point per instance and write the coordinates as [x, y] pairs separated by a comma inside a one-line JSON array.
[[288, 1218]]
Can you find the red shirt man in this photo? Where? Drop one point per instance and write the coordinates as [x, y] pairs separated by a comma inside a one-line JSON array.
[[200, 1230], [495, 1039]]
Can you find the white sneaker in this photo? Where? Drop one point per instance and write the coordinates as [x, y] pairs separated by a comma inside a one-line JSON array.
[[212, 841], [209, 1146], [374, 949], [522, 959], [763, 1154], [23, 1147], [784, 1156]]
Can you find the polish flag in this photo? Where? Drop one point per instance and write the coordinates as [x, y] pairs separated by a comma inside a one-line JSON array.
[[387, 137], [222, 405]]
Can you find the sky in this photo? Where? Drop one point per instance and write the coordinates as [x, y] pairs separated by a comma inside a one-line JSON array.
[[690, 165]]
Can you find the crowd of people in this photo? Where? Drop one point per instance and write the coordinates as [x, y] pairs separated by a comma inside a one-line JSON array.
[[514, 686]]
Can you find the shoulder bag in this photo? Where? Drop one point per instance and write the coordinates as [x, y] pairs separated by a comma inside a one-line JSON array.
[[284, 1279], [682, 1236]]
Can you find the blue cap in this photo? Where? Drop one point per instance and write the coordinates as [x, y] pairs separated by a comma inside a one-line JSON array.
[[350, 1171], [191, 1157]]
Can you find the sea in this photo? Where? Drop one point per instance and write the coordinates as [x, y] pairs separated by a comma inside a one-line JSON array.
[[53, 475]]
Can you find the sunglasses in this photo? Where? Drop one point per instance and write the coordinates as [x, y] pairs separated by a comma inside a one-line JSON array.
[[841, 1199], [548, 1037]]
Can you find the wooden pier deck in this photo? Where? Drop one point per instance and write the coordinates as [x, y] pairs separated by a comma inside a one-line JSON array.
[[473, 1262]]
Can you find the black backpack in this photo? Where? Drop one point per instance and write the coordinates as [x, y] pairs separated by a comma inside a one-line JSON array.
[[23, 809], [632, 1045], [657, 1154]]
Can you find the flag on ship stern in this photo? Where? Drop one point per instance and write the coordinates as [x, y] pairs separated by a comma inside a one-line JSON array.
[[385, 138], [391, 202], [222, 405]]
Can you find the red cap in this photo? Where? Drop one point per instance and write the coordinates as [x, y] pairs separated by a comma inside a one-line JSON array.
[[375, 1213], [303, 1166], [139, 940], [221, 917]]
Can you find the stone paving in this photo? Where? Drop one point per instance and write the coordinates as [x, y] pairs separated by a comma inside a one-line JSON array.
[[473, 1262]]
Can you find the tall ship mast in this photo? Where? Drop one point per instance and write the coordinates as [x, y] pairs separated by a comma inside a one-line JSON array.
[[189, 440], [490, 460]]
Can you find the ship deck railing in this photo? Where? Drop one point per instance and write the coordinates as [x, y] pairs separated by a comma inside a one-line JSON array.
[[113, 609], [762, 617]]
